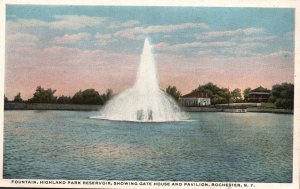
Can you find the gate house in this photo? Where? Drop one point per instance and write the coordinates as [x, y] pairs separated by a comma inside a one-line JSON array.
[[194, 98]]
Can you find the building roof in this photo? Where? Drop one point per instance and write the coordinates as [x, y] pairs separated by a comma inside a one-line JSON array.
[[261, 89], [195, 94]]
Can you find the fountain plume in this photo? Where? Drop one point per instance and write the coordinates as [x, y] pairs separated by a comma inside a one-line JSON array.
[[144, 101]]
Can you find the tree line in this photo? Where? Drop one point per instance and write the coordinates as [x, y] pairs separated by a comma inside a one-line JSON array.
[[282, 95], [216, 94], [88, 96]]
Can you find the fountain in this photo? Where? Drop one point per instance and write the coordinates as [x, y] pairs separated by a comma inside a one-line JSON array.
[[144, 101]]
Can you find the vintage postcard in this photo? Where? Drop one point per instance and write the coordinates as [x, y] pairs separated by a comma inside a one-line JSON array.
[[150, 95]]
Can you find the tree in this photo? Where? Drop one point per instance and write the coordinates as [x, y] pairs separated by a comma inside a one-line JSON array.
[[173, 92], [236, 95], [64, 100], [209, 89], [218, 95], [283, 95], [227, 95], [5, 99], [88, 96], [43, 96], [18, 98], [246, 94], [106, 96]]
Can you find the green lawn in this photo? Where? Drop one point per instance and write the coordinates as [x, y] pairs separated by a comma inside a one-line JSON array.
[[268, 105]]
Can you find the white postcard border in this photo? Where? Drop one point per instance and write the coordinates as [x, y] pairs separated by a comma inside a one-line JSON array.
[[188, 3]]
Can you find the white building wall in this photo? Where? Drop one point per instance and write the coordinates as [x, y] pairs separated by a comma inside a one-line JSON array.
[[195, 101]]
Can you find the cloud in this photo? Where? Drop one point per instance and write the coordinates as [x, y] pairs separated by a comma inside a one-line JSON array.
[[11, 16], [103, 36], [22, 37], [140, 32], [166, 46], [203, 44], [171, 28], [64, 56], [60, 22], [71, 22], [229, 33], [76, 21], [251, 45], [281, 54], [260, 38], [71, 38], [17, 25], [240, 42], [130, 23], [19, 40], [126, 24], [214, 48], [104, 39], [104, 42], [162, 45], [239, 50]]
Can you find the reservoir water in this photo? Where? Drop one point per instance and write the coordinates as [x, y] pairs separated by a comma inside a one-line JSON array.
[[248, 147]]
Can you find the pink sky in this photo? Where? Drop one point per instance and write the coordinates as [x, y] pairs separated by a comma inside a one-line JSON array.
[[70, 69]]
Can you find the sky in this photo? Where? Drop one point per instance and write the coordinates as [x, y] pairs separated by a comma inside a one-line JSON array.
[[69, 48]]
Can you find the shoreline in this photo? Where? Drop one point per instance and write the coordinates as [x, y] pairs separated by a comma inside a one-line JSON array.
[[238, 110], [88, 107], [46, 106]]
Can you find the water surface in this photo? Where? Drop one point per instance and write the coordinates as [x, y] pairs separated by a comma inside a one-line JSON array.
[[248, 147]]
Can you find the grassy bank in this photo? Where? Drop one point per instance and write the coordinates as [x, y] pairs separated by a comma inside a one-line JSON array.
[[270, 110], [44, 106], [86, 107], [261, 108]]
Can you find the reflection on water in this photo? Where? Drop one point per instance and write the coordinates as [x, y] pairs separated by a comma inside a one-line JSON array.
[[111, 152], [248, 147]]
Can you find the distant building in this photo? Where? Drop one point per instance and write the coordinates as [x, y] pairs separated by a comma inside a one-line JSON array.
[[194, 98], [259, 94]]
